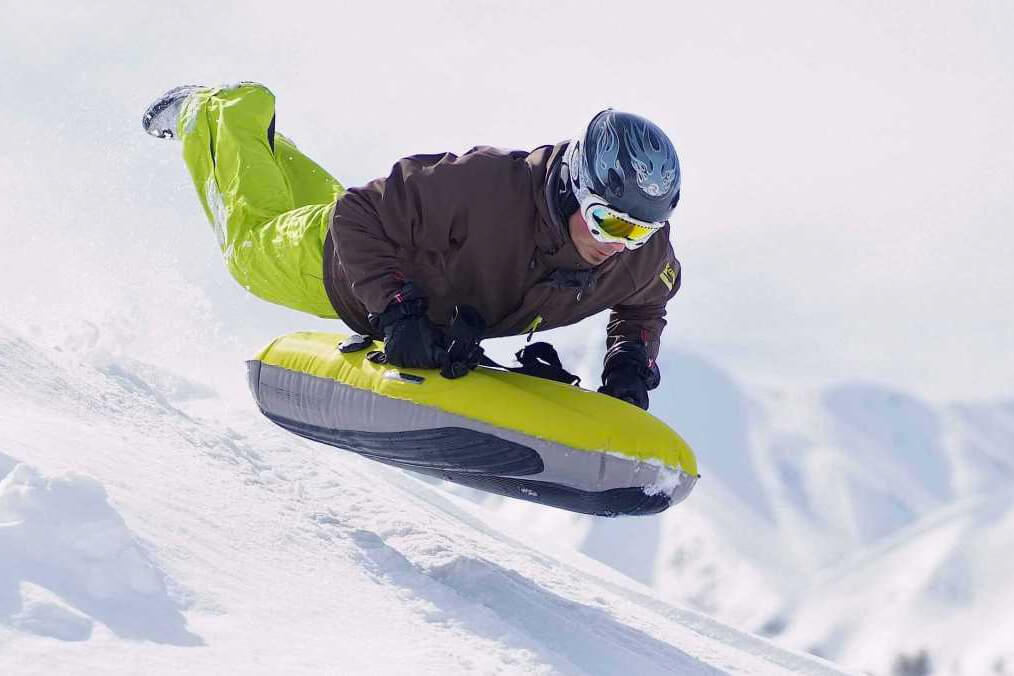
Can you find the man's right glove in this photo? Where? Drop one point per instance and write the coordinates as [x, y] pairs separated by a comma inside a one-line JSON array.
[[628, 373], [410, 338]]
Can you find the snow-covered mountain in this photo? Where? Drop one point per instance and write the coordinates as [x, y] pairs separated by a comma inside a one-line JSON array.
[[148, 524], [940, 590], [858, 522]]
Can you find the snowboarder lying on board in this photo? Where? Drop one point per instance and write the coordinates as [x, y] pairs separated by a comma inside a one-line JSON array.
[[532, 240]]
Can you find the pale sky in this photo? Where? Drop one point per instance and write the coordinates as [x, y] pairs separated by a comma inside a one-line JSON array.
[[847, 167]]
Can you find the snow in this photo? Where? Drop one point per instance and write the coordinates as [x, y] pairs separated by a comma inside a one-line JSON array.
[[152, 517], [61, 535], [147, 522]]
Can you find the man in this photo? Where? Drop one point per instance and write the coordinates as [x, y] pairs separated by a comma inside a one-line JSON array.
[[530, 240]]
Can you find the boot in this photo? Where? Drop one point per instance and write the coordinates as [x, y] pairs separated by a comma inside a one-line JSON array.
[[162, 117]]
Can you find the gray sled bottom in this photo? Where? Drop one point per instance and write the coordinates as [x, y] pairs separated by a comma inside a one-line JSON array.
[[425, 440], [467, 469]]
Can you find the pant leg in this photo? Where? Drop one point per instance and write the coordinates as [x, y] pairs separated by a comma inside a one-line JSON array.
[[269, 204]]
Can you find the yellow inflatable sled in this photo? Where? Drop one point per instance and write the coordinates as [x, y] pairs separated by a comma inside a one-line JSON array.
[[497, 431]]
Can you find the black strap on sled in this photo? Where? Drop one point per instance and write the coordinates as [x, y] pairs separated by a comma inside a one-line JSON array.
[[540, 360], [466, 330], [464, 353]]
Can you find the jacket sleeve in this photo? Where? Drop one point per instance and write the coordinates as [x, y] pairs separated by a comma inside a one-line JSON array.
[[641, 317], [412, 211]]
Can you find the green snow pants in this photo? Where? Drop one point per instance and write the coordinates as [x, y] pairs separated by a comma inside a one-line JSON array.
[[269, 204]]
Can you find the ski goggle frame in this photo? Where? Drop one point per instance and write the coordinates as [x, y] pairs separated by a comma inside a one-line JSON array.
[[609, 225]]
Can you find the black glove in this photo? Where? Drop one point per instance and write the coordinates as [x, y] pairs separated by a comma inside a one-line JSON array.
[[463, 337], [629, 373], [410, 338]]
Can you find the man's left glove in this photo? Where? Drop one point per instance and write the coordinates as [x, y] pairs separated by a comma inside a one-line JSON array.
[[411, 340], [628, 373], [463, 338]]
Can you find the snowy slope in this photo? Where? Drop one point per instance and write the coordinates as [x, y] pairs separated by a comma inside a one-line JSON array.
[[148, 524]]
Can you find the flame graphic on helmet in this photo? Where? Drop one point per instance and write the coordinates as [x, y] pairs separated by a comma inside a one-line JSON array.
[[607, 148], [652, 159]]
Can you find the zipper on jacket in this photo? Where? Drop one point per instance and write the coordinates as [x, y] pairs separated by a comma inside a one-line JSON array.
[[530, 329]]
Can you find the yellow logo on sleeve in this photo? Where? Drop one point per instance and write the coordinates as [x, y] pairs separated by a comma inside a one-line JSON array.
[[668, 276]]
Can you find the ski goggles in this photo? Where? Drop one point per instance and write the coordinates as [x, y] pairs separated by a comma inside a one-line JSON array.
[[609, 225]]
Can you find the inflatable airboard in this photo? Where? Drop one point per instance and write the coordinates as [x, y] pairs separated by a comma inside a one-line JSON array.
[[507, 433]]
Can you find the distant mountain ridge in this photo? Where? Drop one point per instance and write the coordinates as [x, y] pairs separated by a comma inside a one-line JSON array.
[[802, 489]]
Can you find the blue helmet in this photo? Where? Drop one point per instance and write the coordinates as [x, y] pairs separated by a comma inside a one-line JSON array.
[[629, 162]]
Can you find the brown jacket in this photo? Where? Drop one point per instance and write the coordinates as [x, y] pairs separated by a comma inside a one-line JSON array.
[[478, 230]]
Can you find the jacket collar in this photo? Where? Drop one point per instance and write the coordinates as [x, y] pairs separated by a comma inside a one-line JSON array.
[[556, 250]]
